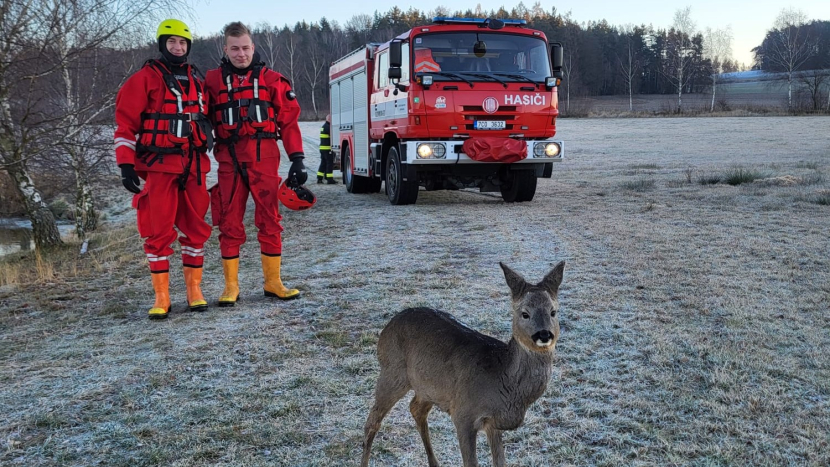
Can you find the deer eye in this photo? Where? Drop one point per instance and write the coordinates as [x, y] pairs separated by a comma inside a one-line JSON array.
[[553, 313], [525, 315]]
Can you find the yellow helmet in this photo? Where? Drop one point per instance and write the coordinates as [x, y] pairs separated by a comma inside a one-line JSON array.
[[173, 27]]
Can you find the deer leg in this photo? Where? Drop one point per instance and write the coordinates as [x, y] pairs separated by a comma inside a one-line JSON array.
[[420, 410], [467, 432], [496, 445], [387, 392]]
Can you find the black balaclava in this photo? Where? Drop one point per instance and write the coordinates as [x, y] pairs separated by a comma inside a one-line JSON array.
[[170, 58]]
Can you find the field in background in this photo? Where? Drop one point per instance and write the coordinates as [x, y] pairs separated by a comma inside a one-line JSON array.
[[741, 93], [694, 316]]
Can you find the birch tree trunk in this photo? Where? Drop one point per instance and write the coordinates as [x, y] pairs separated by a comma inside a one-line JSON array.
[[714, 88], [717, 46], [86, 218], [44, 228], [790, 90]]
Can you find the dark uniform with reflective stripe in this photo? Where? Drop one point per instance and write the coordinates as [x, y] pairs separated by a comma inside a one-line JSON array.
[[326, 169]]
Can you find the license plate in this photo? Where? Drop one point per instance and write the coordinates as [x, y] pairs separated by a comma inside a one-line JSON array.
[[489, 125]]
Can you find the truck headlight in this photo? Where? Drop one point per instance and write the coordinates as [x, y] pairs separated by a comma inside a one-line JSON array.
[[546, 149], [431, 151]]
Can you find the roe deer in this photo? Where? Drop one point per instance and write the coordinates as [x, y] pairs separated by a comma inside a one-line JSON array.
[[481, 382]]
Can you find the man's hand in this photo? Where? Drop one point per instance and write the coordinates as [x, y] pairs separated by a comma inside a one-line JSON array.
[[129, 178], [297, 174]]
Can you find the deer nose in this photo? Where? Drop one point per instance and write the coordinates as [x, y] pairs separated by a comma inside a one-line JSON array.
[[543, 337]]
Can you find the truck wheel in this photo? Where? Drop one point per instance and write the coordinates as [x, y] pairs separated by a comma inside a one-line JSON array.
[[399, 191], [520, 186], [354, 183]]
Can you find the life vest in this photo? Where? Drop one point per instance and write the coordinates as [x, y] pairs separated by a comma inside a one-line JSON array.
[[181, 126], [424, 63], [325, 137], [244, 110]]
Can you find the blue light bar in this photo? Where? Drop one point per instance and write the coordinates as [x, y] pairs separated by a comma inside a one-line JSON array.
[[479, 21]]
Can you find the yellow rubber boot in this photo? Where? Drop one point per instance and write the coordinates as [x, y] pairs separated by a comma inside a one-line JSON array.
[[161, 284], [195, 300], [230, 295], [273, 283]]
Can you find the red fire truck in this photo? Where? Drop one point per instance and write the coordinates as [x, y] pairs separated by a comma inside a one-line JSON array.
[[459, 103]]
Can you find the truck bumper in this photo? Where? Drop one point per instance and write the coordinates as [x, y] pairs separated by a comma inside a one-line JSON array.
[[451, 152]]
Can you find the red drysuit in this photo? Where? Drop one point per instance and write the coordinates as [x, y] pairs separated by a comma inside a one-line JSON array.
[[152, 101], [249, 113]]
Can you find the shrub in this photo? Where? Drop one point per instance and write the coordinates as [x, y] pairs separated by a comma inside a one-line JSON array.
[[740, 175], [822, 198], [638, 185], [712, 179]]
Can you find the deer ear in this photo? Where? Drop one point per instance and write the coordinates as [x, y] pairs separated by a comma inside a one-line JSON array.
[[552, 281], [515, 281]]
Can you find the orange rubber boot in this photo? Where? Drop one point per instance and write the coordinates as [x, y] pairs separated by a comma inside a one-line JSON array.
[[192, 279], [230, 295], [161, 284]]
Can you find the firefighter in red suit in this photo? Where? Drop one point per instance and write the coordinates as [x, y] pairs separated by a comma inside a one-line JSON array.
[[251, 107], [162, 136]]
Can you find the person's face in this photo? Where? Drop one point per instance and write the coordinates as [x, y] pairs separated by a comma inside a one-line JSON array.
[[240, 50], [177, 46]]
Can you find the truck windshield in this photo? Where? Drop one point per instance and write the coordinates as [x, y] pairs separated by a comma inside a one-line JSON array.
[[481, 56]]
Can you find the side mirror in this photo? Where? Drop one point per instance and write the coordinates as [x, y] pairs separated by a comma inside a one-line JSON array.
[[557, 60], [395, 54], [395, 73]]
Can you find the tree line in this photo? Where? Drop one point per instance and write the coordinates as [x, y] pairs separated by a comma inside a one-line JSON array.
[[62, 62]]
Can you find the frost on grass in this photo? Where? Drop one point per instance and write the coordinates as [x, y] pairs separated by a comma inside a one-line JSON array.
[[692, 329]]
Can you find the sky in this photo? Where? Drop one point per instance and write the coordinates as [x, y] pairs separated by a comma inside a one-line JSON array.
[[749, 20]]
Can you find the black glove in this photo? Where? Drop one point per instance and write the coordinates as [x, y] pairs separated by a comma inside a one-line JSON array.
[[297, 174], [129, 178]]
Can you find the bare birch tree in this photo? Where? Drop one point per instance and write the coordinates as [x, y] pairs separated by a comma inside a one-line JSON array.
[[270, 46], [290, 52], [18, 141], [629, 62], [790, 47], [717, 46], [313, 65], [570, 59], [679, 51]]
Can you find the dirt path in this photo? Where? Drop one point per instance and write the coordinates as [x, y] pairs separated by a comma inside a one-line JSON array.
[[694, 318]]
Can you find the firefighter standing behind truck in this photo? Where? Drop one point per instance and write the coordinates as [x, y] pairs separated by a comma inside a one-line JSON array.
[[326, 170], [162, 136], [251, 107]]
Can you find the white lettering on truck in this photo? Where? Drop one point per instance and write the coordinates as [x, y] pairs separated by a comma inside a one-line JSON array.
[[524, 99]]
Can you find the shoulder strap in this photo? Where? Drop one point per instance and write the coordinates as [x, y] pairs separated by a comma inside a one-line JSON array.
[[197, 72]]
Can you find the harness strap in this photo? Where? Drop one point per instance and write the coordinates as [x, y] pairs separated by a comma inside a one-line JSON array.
[[240, 103], [201, 120]]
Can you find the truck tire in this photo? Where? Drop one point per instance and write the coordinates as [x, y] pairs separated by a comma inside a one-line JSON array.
[[399, 191], [520, 186], [354, 183]]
